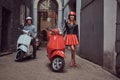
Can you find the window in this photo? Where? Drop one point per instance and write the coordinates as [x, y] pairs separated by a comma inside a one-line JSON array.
[[44, 15]]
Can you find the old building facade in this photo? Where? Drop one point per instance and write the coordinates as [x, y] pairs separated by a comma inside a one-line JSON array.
[[12, 15]]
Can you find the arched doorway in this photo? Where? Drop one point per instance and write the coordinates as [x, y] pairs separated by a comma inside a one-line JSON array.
[[47, 16], [35, 11]]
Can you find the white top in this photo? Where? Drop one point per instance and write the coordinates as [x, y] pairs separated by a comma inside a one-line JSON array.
[[32, 29]]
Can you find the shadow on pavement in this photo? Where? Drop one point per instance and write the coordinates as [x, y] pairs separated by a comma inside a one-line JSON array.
[[26, 59]]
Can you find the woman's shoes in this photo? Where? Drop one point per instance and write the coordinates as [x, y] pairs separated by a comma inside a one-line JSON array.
[[73, 65]]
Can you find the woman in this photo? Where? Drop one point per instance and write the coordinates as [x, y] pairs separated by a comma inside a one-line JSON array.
[[71, 37]]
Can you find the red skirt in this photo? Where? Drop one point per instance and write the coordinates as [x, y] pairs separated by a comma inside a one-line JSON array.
[[71, 39]]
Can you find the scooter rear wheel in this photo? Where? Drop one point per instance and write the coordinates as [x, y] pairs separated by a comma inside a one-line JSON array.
[[58, 64]]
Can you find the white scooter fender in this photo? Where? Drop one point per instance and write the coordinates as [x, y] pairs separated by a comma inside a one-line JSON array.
[[23, 48]]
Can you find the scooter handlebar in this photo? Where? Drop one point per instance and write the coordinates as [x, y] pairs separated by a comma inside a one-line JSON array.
[[56, 31], [26, 32]]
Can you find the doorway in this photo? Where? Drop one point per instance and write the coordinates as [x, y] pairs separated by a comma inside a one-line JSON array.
[[47, 17], [4, 29]]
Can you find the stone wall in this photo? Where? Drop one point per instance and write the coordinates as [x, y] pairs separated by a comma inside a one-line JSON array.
[[14, 7], [110, 15], [0, 27]]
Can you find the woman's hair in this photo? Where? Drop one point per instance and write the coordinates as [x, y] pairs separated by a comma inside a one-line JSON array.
[[71, 15], [74, 19]]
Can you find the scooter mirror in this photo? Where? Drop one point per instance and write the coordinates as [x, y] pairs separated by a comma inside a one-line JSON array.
[[60, 31], [53, 33], [19, 28]]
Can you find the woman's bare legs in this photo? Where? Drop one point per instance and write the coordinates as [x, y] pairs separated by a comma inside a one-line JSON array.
[[73, 62]]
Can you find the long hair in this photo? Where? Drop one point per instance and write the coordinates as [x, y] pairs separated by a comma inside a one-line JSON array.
[[74, 19], [71, 15]]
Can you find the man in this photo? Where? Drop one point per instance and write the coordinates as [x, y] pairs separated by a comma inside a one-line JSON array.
[[33, 32]]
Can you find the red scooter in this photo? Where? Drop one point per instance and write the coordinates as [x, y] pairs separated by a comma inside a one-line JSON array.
[[55, 50]]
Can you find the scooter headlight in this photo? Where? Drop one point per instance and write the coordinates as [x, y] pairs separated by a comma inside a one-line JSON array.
[[60, 31]]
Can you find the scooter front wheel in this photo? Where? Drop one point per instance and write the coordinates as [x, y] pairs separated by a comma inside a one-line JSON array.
[[20, 55], [58, 64]]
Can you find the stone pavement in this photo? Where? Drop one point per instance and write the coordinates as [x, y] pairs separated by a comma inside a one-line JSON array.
[[39, 69]]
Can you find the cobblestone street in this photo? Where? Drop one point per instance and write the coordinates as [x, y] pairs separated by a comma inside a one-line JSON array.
[[39, 69]]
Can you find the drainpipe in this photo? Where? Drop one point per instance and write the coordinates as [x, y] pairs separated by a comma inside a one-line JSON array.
[[62, 12], [59, 13], [78, 11], [63, 8], [35, 12], [32, 13]]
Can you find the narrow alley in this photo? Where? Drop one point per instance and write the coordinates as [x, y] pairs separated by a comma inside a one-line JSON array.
[[39, 69]]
